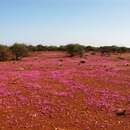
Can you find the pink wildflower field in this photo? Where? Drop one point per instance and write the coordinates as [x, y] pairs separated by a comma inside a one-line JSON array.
[[50, 91]]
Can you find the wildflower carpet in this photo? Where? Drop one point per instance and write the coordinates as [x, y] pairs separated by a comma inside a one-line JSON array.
[[50, 91]]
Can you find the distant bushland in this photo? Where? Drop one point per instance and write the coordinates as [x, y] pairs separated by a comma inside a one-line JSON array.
[[18, 51], [78, 49]]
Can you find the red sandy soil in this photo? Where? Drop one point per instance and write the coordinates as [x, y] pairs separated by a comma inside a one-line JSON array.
[[50, 91]]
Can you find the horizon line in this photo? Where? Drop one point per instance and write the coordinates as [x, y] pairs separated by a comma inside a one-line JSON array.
[[93, 44]]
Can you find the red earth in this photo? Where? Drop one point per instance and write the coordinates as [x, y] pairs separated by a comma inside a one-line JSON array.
[[51, 91]]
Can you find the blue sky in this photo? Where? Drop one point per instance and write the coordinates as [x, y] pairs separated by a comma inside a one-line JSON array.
[[93, 22]]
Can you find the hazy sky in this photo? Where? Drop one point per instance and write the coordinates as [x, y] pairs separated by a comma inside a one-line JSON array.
[[95, 22]]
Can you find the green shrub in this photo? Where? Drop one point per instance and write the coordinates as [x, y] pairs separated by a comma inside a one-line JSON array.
[[90, 48], [19, 50], [75, 50], [5, 53], [31, 48], [52, 48], [41, 48]]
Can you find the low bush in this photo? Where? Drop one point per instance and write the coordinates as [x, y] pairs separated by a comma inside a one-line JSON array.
[[41, 48], [19, 50], [75, 50], [31, 48], [5, 53]]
